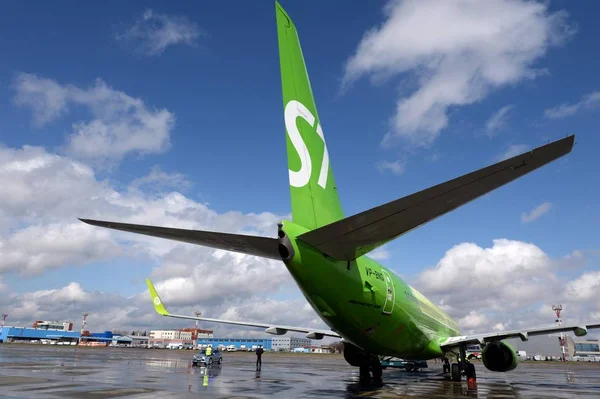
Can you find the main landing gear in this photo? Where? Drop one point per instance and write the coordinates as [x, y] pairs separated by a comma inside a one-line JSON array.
[[461, 367], [370, 364]]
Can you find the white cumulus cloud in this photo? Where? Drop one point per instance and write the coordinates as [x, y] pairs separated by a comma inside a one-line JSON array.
[[35, 249], [39, 231], [158, 180], [584, 288], [458, 52], [120, 124], [511, 284]]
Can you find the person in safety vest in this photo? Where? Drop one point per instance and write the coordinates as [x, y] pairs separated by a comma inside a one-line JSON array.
[[209, 350]]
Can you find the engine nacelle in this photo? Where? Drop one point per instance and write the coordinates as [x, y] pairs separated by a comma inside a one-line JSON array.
[[499, 356], [353, 354]]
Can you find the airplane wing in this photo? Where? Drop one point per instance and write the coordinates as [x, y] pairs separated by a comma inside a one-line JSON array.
[[354, 236], [274, 329], [251, 245], [578, 330]]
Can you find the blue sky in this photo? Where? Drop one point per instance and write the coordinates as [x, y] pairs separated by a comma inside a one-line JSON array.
[[224, 145]]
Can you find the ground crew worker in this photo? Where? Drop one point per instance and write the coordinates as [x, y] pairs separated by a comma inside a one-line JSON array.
[[259, 352], [209, 350]]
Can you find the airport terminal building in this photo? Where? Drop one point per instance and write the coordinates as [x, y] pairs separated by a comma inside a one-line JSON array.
[[288, 344], [54, 337], [62, 333]]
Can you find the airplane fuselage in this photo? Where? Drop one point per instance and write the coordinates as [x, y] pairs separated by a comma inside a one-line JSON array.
[[368, 304]]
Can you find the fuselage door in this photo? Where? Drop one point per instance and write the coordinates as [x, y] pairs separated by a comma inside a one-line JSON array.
[[390, 294]]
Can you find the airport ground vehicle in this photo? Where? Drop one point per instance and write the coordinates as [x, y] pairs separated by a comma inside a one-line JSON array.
[[409, 365], [201, 358]]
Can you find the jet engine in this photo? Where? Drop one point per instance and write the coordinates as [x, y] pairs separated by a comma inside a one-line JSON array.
[[499, 356], [353, 354]]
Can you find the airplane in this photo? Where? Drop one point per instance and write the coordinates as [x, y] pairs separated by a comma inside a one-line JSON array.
[[366, 305]]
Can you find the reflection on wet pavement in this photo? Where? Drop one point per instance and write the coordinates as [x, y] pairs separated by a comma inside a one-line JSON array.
[[32, 371]]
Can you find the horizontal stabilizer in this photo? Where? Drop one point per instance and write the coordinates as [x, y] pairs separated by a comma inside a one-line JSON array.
[[273, 329], [357, 235], [524, 334], [251, 245]]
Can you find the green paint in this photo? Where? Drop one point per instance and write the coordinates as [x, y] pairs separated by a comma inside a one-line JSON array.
[[156, 301], [312, 205], [407, 326]]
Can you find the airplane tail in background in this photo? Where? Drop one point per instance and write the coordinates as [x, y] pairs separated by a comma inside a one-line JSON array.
[[314, 195]]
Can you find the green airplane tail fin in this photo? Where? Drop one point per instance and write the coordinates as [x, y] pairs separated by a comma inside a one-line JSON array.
[[314, 195]]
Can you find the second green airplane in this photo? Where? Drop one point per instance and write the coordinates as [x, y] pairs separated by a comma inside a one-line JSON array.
[[365, 304]]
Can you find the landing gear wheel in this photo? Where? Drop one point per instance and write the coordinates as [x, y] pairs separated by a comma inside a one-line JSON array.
[[365, 376], [376, 369], [370, 365], [408, 367], [455, 372], [470, 371]]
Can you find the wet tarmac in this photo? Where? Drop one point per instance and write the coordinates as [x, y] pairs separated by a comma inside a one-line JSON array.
[[36, 371]]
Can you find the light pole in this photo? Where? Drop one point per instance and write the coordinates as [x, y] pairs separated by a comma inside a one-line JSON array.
[[85, 315], [197, 313], [558, 309]]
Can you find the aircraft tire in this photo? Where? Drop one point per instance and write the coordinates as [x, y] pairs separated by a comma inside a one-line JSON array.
[[455, 372], [470, 371], [376, 369], [364, 372]]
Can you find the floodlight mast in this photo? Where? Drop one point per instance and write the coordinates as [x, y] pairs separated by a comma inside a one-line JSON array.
[[558, 309], [85, 315], [197, 313]]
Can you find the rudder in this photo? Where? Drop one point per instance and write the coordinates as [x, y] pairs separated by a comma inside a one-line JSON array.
[[314, 195]]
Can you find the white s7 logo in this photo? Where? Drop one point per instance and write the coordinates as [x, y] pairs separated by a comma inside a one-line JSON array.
[[300, 178]]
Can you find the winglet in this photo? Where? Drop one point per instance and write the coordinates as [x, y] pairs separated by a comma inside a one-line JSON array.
[[156, 301]]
